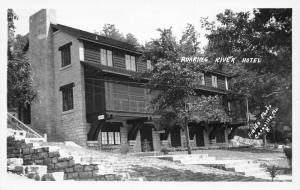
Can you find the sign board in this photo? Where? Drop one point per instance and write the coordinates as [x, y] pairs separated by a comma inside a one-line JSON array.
[[100, 117]]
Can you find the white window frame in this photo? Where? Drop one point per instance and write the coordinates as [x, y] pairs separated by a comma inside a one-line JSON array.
[[81, 52], [103, 137], [226, 83], [149, 65], [110, 138], [214, 81], [130, 62], [202, 78], [106, 57]]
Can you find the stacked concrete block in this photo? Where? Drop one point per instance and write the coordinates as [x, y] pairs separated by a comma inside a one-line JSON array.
[[51, 161]]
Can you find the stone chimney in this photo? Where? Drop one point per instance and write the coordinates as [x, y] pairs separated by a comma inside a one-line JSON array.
[[42, 64]]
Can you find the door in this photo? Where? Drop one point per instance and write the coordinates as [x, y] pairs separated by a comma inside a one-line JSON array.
[[146, 138], [175, 137], [199, 137]]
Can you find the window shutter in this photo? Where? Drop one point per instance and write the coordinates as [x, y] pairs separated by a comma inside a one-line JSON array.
[[103, 57], [132, 61], [109, 58], [127, 62]]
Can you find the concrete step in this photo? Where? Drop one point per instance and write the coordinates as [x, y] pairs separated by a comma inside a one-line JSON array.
[[247, 170], [191, 156], [243, 166], [207, 160]]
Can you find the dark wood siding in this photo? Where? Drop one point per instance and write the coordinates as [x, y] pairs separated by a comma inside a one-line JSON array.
[[238, 111], [125, 96], [92, 55], [208, 81], [94, 94], [141, 66], [221, 82], [119, 59]]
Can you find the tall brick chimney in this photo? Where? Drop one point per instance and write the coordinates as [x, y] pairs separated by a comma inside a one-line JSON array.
[[41, 60]]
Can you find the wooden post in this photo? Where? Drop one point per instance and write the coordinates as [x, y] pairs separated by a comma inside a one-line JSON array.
[[187, 136], [247, 111], [45, 137]]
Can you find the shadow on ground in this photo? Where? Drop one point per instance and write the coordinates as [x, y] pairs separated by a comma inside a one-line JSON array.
[[170, 174]]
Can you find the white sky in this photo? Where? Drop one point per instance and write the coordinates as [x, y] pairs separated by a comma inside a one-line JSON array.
[[140, 19]]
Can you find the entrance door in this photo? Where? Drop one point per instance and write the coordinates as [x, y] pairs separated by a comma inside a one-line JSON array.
[[199, 137], [146, 138], [175, 137]]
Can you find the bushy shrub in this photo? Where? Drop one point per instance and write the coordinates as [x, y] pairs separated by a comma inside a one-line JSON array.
[[288, 154], [125, 148], [273, 171], [165, 151]]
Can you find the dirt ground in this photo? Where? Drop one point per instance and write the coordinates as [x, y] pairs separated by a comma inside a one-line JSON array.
[[156, 169]]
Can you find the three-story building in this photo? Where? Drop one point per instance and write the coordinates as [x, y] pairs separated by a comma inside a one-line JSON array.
[[86, 92]]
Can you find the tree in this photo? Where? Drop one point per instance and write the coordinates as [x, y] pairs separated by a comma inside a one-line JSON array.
[[131, 39], [265, 34], [110, 31], [19, 81], [11, 16], [175, 82]]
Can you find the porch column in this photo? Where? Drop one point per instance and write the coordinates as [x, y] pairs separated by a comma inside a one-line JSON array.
[[226, 135], [206, 135], [138, 146], [156, 140], [124, 133]]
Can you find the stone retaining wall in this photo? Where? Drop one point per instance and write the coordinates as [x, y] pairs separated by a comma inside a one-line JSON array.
[[54, 163]]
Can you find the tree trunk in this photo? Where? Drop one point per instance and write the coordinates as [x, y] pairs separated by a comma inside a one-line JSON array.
[[265, 140], [187, 136]]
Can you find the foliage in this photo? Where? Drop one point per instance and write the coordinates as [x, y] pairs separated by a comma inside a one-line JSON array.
[[266, 33], [262, 125], [11, 17], [19, 81], [174, 83], [125, 148], [273, 171], [110, 31], [288, 154]]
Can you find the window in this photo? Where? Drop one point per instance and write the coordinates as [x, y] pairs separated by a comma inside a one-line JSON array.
[[226, 83], [106, 57], [130, 62], [149, 65], [67, 96], [201, 79], [214, 81], [65, 54], [110, 135], [81, 52]]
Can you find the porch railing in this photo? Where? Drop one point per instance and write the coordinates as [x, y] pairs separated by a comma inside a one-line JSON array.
[[17, 127]]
